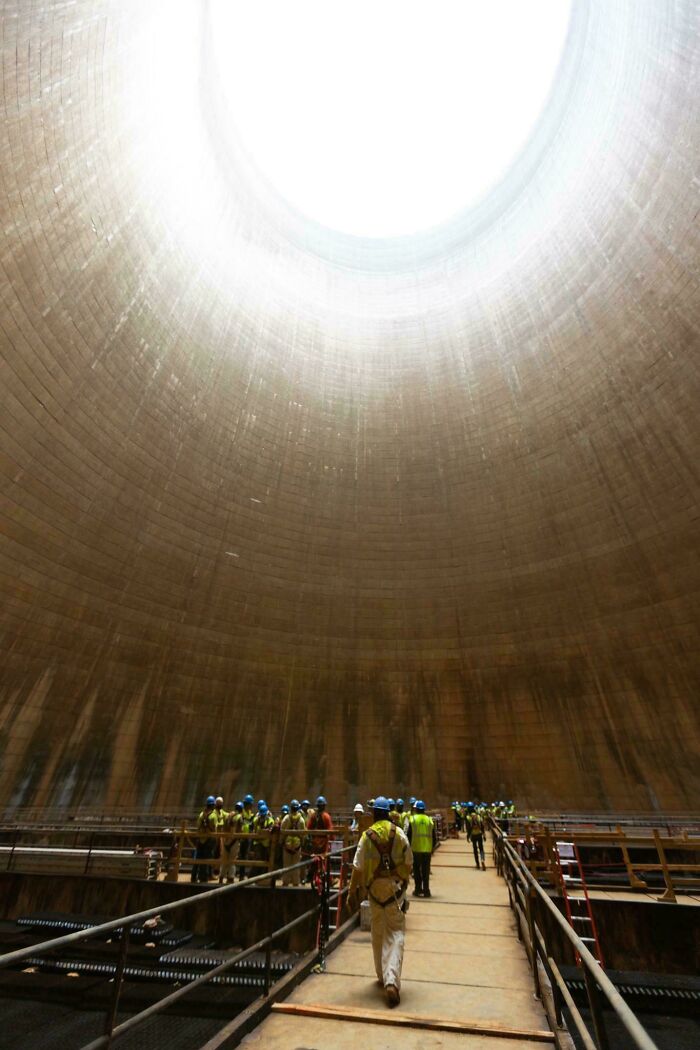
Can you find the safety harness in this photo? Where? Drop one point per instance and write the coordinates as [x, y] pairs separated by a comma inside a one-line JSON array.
[[386, 868]]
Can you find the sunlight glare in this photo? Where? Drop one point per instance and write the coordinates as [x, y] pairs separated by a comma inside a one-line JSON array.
[[385, 117]]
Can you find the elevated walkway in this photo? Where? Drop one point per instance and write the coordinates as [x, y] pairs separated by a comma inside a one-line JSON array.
[[464, 972]]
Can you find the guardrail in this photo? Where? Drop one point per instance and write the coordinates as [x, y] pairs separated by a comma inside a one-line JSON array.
[[326, 895], [537, 842], [529, 900], [172, 848]]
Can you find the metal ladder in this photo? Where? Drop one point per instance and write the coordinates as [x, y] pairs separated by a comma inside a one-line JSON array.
[[578, 905]]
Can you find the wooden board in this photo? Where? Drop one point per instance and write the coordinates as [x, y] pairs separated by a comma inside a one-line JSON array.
[[399, 1020]]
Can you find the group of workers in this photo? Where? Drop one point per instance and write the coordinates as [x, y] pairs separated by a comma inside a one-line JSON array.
[[472, 817], [302, 830], [399, 842], [501, 811]]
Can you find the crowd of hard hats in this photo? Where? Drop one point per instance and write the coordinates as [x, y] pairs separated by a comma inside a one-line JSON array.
[[398, 811], [257, 819], [463, 811]]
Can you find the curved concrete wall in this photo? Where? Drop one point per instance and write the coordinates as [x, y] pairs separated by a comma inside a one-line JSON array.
[[288, 510]]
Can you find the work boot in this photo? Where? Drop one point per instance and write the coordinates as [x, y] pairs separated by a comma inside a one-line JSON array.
[[427, 893], [392, 995]]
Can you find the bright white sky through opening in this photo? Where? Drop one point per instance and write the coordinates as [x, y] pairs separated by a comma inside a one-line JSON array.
[[386, 117]]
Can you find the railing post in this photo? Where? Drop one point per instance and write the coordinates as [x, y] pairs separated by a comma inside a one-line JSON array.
[[91, 843], [11, 857], [635, 883], [325, 908], [669, 896], [533, 942], [596, 1010], [268, 967], [118, 981], [173, 872]]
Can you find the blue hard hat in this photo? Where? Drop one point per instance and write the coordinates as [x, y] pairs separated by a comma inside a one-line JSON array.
[[211, 801], [285, 808], [295, 804], [420, 805], [306, 802], [399, 802], [262, 808], [412, 800], [261, 803], [239, 805], [470, 805], [392, 802], [382, 803], [320, 801], [248, 800]]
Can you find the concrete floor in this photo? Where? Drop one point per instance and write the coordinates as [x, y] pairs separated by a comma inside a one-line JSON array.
[[463, 962]]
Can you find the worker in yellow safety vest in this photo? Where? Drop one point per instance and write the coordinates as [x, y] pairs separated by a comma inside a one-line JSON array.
[[231, 846], [247, 818], [421, 835], [475, 834], [263, 825], [382, 867], [206, 841], [292, 828]]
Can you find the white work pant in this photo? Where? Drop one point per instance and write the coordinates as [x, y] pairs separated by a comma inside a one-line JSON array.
[[228, 858], [388, 936], [291, 878]]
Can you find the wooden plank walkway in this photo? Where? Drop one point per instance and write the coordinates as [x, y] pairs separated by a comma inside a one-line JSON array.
[[466, 980]]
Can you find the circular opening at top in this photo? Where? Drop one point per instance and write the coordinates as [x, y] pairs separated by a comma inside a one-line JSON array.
[[382, 119]]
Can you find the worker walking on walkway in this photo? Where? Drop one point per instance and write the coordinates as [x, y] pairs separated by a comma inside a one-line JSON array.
[[475, 834], [421, 835], [382, 866]]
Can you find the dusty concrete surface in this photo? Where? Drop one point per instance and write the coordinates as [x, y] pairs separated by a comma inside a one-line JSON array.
[[266, 490], [463, 962]]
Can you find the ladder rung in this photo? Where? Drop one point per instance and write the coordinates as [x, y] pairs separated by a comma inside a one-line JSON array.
[[574, 898], [587, 940], [580, 918]]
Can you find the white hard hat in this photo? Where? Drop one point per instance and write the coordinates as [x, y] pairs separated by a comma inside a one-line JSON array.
[[359, 808], [219, 800]]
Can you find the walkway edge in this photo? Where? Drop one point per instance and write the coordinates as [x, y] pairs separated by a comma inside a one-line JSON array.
[[231, 1034]]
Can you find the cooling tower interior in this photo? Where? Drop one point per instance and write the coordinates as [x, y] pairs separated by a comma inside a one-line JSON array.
[[285, 509]]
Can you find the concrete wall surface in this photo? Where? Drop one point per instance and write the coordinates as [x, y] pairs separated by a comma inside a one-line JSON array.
[[285, 510]]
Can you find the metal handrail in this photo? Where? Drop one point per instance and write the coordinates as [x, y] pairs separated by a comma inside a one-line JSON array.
[[595, 977], [126, 922], [150, 913]]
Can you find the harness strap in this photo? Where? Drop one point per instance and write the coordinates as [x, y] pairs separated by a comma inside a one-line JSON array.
[[394, 899], [384, 849]]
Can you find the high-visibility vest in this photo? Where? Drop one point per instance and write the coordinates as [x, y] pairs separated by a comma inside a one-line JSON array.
[[221, 818], [261, 824], [422, 833], [206, 822], [247, 819], [476, 824], [372, 858], [394, 816], [292, 821]]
